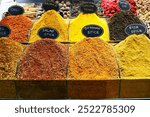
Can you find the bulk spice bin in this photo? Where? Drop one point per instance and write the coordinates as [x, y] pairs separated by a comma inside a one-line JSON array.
[[88, 69], [93, 70], [133, 58]]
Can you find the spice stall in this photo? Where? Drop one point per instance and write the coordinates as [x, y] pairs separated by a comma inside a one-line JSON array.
[[72, 49]]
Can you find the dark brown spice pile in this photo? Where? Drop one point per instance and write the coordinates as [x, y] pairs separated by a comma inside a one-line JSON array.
[[119, 22], [44, 60], [10, 53]]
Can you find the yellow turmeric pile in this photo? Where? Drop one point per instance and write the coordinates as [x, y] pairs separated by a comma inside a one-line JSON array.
[[134, 56], [10, 53], [92, 59], [77, 24], [53, 20]]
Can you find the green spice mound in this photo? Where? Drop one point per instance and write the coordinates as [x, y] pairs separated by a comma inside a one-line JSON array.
[[10, 53], [134, 56]]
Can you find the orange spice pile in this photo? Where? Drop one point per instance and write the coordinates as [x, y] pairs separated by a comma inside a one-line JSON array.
[[20, 26], [92, 59]]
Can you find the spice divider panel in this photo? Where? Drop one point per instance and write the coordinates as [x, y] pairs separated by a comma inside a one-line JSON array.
[[7, 89], [135, 88], [93, 89], [50, 89]]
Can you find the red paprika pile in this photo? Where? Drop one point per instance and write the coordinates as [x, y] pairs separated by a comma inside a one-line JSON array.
[[20, 26], [111, 7], [44, 60]]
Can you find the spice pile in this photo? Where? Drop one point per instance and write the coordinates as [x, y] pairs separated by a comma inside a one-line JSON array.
[[53, 20], [77, 24], [64, 6], [134, 56], [119, 22], [44, 60], [75, 6], [92, 59], [143, 11], [19, 25], [111, 7], [10, 52]]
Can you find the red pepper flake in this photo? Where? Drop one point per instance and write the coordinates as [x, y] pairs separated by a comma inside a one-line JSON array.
[[44, 60], [20, 26]]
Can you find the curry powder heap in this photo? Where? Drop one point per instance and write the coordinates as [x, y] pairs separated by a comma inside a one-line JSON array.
[[20, 27], [77, 24], [10, 53], [92, 59], [50, 19], [119, 22], [44, 60], [134, 56]]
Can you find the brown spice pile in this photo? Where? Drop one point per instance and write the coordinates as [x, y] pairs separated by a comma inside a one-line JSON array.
[[10, 52], [119, 22], [44, 60], [20, 26], [92, 59]]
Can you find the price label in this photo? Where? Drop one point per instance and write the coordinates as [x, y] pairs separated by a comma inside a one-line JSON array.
[[88, 8], [135, 29], [50, 6], [48, 32], [124, 5], [4, 31], [16, 10], [92, 31]]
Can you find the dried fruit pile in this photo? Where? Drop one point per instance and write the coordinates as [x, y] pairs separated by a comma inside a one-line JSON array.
[[111, 7]]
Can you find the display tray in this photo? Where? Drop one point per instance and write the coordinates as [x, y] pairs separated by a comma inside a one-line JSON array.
[[93, 89], [33, 89], [135, 88], [76, 89]]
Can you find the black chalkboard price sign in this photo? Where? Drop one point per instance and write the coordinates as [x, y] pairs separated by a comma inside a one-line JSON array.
[[124, 5], [4, 31], [88, 8], [92, 31], [135, 29], [16, 10], [50, 6], [48, 32]]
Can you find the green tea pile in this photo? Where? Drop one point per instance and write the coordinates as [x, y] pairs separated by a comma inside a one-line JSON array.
[[92, 59], [10, 52], [44, 60], [119, 22], [134, 56]]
